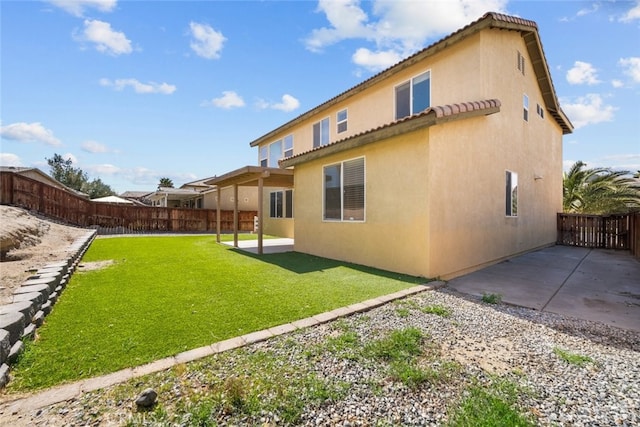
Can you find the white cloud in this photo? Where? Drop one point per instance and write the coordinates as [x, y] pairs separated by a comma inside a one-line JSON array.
[[104, 169], [206, 42], [375, 61], [630, 162], [288, 103], [138, 87], [78, 7], [632, 14], [8, 159], [105, 38], [94, 147], [588, 110], [631, 67], [594, 8], [582, 73], [617, 83], [29, 132], [228, 100], [397, 28]]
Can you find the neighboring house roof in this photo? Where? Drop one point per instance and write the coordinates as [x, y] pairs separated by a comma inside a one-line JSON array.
[[198, 183], [112, 199], [135, 194], [429, 117], [529, 30], [44, 178]]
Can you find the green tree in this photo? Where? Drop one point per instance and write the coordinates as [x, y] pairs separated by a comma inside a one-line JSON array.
[[599, 190], [165, 182], [62, 170], [97, 188]]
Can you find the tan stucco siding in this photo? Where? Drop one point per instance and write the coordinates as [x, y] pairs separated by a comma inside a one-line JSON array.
[[394, 233], [280, 227], [470, 159], [247, 199]]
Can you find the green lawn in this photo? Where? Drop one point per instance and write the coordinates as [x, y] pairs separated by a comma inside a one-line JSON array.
[[163, 295]]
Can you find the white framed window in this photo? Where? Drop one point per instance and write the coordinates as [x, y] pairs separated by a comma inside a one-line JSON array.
[[288, 146], [413, 96], [277, 150], [281, 204], [264, 156], [344, 191], [511, 194], [525, 107], [540, 111], [321, 133], [341, 120]]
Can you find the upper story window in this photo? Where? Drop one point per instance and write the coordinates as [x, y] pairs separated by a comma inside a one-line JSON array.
[[511, 194], [277, 150], [288, 146], [525, 107], [413, 96], [341, 119], [264, 155], [520, 63], [321, 133], [540, 111]]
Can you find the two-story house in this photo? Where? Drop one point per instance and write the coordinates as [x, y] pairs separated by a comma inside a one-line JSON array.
[[446, 162]]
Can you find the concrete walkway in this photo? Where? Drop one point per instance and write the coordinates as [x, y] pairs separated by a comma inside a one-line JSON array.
[[592, 284]]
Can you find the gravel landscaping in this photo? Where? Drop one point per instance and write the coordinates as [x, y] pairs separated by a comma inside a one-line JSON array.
[[549, 370]]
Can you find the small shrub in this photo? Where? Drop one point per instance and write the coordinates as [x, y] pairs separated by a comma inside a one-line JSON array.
[[399, 345], [492, 298], [402, 312], [438, 310], [572, 358]]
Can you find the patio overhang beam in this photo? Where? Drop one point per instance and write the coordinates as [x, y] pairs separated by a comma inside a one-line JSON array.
[[250, 176]]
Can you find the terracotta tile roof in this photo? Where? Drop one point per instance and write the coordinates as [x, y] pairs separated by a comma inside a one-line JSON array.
[[440, 111], [490, 19]]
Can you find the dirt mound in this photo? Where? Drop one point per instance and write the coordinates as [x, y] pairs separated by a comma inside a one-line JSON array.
[[27, 244]]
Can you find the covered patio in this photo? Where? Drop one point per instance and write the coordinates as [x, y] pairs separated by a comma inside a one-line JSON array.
[[250, 176]]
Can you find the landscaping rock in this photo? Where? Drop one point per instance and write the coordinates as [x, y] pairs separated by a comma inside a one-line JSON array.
[[15, 351], [35, 297], [29, 332], [4, 375], [51, 282], [27, 308], [42, 289], [14, 324], [38, 319], [147, 398], [5, 345], [47, 307]]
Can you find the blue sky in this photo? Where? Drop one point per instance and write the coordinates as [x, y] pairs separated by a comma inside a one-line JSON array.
[[133, 91]]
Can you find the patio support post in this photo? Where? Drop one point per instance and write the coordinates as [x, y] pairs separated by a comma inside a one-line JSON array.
[[260, 196], [235, 215], [218, 213]]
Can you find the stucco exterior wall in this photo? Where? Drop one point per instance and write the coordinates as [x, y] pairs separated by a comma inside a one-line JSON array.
[[247, 199], [394, 233]]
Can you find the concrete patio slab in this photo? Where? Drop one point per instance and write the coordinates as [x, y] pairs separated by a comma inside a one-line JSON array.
[[269, 246], [591, 284]]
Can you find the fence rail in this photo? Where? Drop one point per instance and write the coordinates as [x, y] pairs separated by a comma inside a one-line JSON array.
[[600, 231], [111, 218]]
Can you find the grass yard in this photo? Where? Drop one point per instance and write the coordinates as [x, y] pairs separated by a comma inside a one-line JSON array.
[[163, 295]]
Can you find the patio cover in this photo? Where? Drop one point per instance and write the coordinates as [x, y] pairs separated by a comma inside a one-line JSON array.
[[249, 176]]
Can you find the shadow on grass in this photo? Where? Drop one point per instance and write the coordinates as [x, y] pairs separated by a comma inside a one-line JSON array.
[[301, 263]]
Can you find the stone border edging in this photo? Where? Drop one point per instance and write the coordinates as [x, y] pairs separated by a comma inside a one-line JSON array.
[[70, 391], [33, 300]]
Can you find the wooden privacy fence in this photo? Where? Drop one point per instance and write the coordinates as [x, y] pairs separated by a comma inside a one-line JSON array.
[[111, 218], [600, 231]]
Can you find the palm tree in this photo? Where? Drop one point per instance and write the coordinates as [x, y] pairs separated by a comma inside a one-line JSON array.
[[166, 183], [599, 190]]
